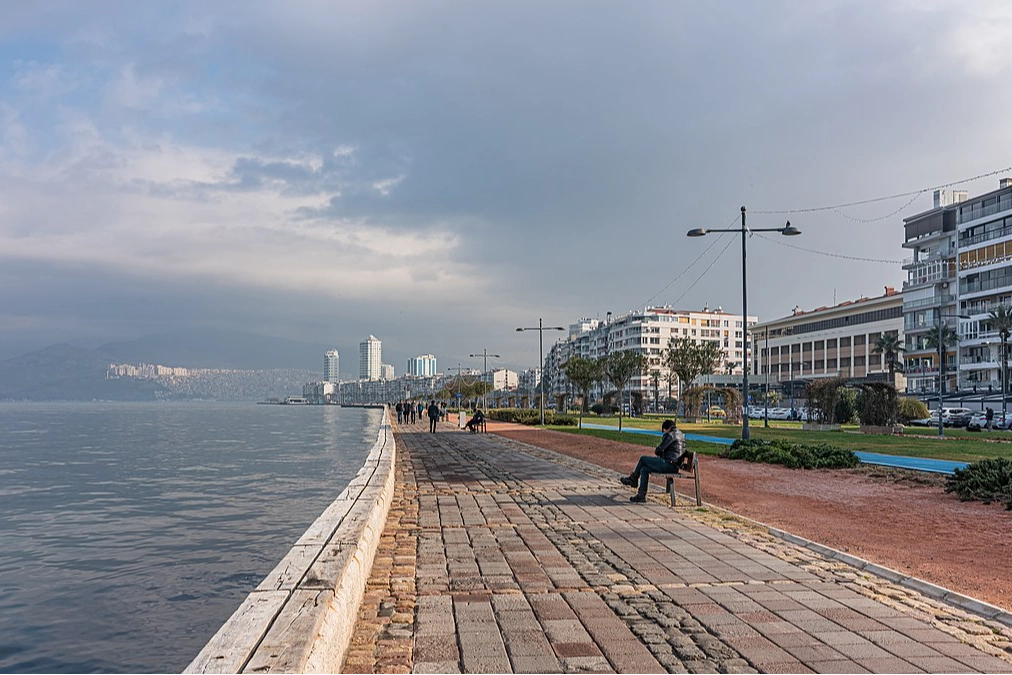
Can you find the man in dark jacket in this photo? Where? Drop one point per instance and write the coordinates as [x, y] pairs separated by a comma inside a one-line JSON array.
[[433, 411], [666, 458]]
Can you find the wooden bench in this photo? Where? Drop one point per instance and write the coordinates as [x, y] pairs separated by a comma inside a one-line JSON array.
[[691, 464]]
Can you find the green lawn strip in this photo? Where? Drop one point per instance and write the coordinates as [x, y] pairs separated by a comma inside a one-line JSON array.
[[638, 439], [966, 447]]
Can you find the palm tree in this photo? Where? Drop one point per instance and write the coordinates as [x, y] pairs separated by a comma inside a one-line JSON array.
[[932, 342], [1000, 319], [889, 345]]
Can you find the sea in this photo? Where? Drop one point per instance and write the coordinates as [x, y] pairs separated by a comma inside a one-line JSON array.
[[129, 532]]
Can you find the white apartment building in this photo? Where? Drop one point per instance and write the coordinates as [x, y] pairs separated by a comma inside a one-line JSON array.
[[961, 265], [828, 342], [332, 366], [649, 331], [370, 359], [422, 366], [386, 372], [502, 379]]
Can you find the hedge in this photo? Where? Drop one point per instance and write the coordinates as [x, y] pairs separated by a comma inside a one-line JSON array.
[[530, 417], [792, 455]]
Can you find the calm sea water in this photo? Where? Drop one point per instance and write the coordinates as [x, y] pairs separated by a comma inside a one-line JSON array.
[[130, 532]]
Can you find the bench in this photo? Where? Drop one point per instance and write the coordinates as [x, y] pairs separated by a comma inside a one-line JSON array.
[[689, 463]]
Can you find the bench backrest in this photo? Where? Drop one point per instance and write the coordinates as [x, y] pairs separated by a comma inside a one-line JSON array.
[[687, 463]]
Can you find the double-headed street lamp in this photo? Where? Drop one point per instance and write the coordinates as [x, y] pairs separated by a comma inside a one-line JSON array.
[[541, 356], [941, 364], [787, 230], [484, 354]]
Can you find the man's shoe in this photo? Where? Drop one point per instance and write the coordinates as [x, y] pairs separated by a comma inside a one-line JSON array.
[[626, 480], [637, 498]]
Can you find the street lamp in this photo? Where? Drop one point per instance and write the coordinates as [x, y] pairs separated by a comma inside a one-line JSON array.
[[787, 230], [484, 354], [941, 364], [541, 356]]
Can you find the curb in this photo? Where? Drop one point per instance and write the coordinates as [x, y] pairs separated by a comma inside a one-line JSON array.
[[301, 616]]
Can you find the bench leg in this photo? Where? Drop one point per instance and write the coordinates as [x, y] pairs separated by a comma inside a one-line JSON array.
[[670, 487], [695, 477]]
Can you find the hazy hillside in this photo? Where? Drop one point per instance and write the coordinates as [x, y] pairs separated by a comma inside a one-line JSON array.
[[217, 349], [65, 372]]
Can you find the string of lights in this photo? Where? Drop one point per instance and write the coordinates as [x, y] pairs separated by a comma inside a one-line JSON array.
[[830, 255], [912, 193]]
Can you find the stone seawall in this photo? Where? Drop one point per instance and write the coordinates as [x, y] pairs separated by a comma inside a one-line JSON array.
[[299, 619]]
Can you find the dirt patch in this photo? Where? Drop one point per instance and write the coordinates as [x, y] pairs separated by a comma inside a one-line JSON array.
[[896, 518]]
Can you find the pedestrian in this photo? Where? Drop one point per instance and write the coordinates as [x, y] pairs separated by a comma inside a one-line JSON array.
[[400, 412], [989, 416], [433, 416], [666, 458], [412, 411], [421, 409]]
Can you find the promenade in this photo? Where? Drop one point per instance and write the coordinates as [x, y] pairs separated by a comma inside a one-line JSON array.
[[501, 557]]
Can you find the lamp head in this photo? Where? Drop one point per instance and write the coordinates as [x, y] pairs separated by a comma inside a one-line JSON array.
[[698, 232], [520, 330], [789, 230]]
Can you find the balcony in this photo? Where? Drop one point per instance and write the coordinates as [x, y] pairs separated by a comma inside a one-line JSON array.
[[945, 254], [930, 273]]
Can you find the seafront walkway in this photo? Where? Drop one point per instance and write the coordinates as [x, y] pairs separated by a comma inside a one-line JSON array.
[[501, 557]]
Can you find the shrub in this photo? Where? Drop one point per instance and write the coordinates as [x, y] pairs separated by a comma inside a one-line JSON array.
[[912, 409], [792, 455], [877, 404], [846, 406], [597, 408], [988, 480], [530, 417]]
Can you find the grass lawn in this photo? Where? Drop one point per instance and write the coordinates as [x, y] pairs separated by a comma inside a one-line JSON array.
[[959, 445]]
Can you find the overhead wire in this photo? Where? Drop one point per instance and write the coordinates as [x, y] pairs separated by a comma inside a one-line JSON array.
[[690, 266], [830, 255]]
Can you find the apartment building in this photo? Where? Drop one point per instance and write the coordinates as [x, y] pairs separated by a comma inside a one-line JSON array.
[[961, 269], [649, 331], [370, 359], [828, 342]]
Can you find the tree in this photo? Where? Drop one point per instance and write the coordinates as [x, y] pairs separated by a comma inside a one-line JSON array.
[[583, 373], [1000, 319], [689, 360], [890, 346], [619, 368], [931, 341]]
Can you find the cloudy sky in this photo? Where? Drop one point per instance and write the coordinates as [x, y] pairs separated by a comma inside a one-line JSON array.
[[439, 173]]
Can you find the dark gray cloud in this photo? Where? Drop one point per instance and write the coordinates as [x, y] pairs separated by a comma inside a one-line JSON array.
[[529, 158]]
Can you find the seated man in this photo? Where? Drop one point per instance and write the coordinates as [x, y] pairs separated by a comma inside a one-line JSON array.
[[667, 457], [475, 422]]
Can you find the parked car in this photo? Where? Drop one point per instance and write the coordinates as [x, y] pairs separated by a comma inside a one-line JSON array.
[[977, 421], [926, 422], [716, 411], [959, 417], [1001, 422]]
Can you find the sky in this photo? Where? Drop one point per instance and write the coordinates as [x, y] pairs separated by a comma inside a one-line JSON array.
[[438, 174]]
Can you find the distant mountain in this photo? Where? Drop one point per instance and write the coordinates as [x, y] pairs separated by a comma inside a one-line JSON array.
[[213, 348], [65, 372]]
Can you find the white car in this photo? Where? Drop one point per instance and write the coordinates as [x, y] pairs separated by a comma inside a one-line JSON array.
[[977, 422]]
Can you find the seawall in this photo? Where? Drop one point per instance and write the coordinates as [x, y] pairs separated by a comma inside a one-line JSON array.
[[299, 619]]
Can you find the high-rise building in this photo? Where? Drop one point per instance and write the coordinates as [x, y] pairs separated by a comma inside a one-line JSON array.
[[331, 366], [370, 358], [386, 372], [422, 366]]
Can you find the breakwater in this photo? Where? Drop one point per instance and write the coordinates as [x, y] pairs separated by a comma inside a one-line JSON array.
[[300, 617]]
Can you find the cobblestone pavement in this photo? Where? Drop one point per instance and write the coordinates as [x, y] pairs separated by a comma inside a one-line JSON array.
[[500, 557]]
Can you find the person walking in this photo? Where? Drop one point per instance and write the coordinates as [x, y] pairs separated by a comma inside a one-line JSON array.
[[666, 458], [433, 411], [400, 412], [989, 416]]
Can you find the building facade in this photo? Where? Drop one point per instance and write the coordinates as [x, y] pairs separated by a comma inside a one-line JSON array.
[[960, 271], [370, 358], [829, 342], [387, 372], [649, 332], [332, 367], [422, 366]]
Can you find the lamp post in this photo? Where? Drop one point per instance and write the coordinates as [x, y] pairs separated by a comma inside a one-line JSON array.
[[541, 358], [766, 362], [484, 354], [941, 365], [787, 230]]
